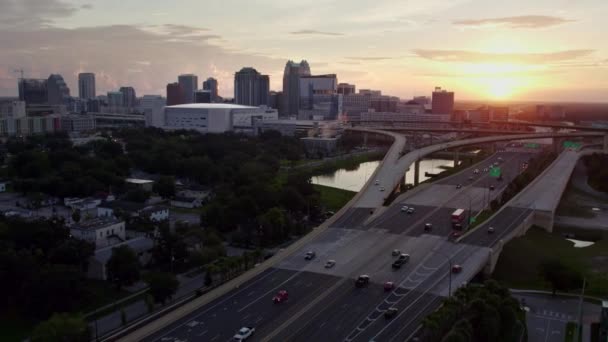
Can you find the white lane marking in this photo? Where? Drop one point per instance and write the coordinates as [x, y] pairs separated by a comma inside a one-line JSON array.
[[547, 329], [268, 292], [203, 333]]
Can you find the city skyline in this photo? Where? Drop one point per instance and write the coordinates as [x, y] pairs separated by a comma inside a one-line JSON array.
[[545, 51]]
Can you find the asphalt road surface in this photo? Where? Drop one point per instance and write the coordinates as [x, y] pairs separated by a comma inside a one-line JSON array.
[[324, 304]]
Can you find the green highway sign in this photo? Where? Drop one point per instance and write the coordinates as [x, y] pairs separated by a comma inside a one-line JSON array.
[[472, 220], [495, 172], [572, 144], [531, 145]]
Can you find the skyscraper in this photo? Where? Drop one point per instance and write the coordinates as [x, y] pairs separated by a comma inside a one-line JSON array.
[[291, 85], [115, 100], [33, 91], [129, 99], [251, 88], [58, 91], [189, 84], [211, 85], [202, 96], [86, 85], [174, 94], [442, 101]]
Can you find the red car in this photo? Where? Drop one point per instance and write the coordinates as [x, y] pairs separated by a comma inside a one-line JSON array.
[[389, 286], [456, 269], [280, 297]]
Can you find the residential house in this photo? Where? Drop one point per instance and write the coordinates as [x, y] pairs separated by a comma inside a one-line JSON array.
[[102, 232], [186, 202], [97, 263], [152, 212]]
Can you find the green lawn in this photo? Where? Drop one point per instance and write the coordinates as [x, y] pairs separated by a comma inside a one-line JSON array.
[[520, 259], [332, 198]]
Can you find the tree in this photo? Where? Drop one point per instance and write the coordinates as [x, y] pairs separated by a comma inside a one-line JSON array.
[[62, 327], [123, 267], [138, 195], [162, 285], [165, 186], [560, 276], [76, 215]]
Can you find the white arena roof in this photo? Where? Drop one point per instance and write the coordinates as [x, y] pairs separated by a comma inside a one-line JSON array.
[[211, 106]]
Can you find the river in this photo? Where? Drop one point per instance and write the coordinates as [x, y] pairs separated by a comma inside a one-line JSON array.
[[354, 180]]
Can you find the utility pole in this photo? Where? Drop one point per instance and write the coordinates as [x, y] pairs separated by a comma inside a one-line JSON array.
[[578, 336]]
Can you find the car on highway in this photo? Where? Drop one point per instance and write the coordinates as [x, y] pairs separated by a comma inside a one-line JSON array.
[[404, 256], [395, 252], [280, 297], [389, 286], [485, 170], [398, 263], [244, 333], [382, 188], [456, 268], [362, 280], [456, 234], [495, 163], [470, 177], [404, 208], [310, 255], [390, 313], [490, 230], [458, 186], [491, 187], [428, 227], [476, 171], [377, 182], [411, 210], [330, 263]]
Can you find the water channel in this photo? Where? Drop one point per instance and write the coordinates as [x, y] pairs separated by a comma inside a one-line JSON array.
[[354, 180]]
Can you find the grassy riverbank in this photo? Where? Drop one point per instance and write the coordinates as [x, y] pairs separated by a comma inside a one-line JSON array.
[[332, 198]]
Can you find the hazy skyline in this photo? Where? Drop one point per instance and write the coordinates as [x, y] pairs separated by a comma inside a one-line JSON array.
[[548, 50]]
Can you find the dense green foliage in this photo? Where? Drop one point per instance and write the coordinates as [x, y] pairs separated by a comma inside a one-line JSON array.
[[62, 327], [42, 268], [162, 285], [123, 266], [536, 165], [597, 171], [476, 314], [560, 276]]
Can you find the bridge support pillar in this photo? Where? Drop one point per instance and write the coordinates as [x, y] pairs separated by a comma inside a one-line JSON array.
[[456, 157], [416, 172], [557, 144], [606, 143], [364, 139]]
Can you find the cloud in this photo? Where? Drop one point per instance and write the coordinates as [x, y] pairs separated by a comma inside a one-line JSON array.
[[32, 14], [87, 6], [485, 57], [316, 33], [524, 21], [370, 58], [183, 30]]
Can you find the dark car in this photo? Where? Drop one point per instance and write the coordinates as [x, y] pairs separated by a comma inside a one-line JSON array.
[[390, 313], [428, 227], [362, 281], [491, 187], [458, 186], [398, 263]]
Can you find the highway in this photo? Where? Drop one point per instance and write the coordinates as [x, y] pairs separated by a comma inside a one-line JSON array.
[[324, 304]]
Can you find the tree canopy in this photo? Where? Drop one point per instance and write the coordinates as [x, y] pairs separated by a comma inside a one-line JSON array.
[[123, 266]]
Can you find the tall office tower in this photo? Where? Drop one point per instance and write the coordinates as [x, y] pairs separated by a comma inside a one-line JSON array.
[[251, 88], [174, 94], [189, 84], [291, 86], [58, 91], [442, 101], [346, 89], [86, 85], [129, 98], [33, 91], [115, 100], [153, 108], [211, 85]]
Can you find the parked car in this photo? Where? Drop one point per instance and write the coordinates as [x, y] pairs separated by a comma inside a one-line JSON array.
[[398, 263], [428, 227], [330, 263], [310, 255], [404, 208], [404, 256]]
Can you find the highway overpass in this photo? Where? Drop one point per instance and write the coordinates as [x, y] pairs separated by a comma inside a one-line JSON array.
[[323, 304]]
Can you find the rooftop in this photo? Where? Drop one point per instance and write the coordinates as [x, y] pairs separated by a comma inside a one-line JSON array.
[[138, 181], [95, 223], [138, 244], [211, 106]]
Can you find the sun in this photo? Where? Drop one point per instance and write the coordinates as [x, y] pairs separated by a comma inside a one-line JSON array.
[[500, 88]]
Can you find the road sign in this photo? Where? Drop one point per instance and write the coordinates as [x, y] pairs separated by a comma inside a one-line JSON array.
[[495, 172], [531, 145], [572, 144], [472, 220]]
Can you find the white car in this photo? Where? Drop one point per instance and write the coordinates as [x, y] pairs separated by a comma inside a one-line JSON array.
[[244, 333], [382, 188], [377, 182], [404, 208]]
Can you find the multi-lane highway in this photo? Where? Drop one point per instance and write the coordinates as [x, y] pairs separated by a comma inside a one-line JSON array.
[[324, 304]]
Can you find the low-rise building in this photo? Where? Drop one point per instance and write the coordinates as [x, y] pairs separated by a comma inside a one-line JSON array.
[[3, 185], [145, 184], [153, 213], [186, 202], [142, 246], [102, 232]]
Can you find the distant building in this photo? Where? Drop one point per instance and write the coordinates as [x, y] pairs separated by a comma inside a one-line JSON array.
[[30, 125], [101, 232], [153, 108], [78, 123], [12, 109], [211, 85], [33, 91], [406, 119], [186, 202], [154, 213], [346, 89], [291, 86], [115, 101], [422, 100], [216, 117], [86, 85], [189, 84], [113, 120], [251, 88], [289, 127], [58, 91], [369, 92], [174, 94], [145, 184], [203, 96], [129, 98], [499, 113], [442, 101], [384, 104], [318, 97], [481, 114]]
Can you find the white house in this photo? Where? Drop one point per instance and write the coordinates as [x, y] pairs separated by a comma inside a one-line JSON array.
[[100, 231], [155, 213], [97, 263], [3, 185], [152, 212]]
